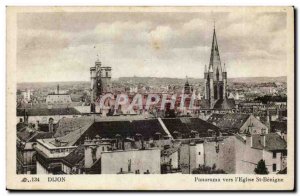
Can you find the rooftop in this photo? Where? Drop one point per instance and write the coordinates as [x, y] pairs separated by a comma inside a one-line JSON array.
[[75, 157], [47, 112], [273, 142], [229, 121]]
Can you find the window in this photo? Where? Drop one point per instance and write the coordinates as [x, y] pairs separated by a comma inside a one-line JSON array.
[[274, 167], [274, 155], [199, 153]]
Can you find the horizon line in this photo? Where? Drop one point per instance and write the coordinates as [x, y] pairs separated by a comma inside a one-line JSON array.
[[151, 77]]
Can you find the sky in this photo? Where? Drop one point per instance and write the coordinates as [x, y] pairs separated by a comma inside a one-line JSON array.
[[62, 46]]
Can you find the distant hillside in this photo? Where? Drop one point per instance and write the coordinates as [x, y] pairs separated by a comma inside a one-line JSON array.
[[41, 85], [152, 81], [258, 79], [180, 81]]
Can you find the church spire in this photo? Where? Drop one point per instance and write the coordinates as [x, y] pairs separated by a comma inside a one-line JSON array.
[[215, 61]]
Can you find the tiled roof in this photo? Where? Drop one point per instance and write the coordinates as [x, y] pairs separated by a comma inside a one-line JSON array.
[[75, 156], [278, 126], [186, 125], [273, 142], [109, 129], [224, 104], [67, 125], [47, 112], [70, 131], [229, 121], [71, 138], [221, 104], [204, 104], [28, 135]]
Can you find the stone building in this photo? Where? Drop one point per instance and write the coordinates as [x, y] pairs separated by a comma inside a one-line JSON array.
[[58, 98]]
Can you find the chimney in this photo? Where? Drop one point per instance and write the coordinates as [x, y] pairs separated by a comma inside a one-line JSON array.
[[263, 139]]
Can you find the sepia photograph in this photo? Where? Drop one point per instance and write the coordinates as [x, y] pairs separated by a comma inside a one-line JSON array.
[[197, 98]]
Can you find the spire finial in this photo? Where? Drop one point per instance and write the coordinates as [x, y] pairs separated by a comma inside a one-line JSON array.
[[97, 57], [98, 54], [224, 69]]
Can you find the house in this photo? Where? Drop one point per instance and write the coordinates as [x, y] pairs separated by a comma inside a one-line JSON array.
[[215, 152], [58, 99], [98, 135], [250, 149], [238, 123], [26, 155]]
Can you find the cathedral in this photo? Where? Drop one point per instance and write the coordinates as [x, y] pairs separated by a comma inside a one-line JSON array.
[[215, 95]]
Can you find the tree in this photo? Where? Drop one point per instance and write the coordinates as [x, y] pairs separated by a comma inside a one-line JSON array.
[[261, 168]]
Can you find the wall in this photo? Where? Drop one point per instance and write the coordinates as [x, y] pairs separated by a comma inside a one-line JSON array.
[[225, 158], [88, 156], [246, 157], [174, 160], [65, 168], [184, 158], [269, 160], [40, 169], [141, 160], [55, 152], [199, 150]]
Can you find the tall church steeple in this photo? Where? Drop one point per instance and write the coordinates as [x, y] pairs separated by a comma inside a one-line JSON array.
[[215, 60], [216, 77]]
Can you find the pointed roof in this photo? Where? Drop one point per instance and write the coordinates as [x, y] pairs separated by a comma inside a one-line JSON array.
[[215, 60], [187, 81]]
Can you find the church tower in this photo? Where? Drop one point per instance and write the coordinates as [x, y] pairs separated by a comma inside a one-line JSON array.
[[100, 82], [216, 76]]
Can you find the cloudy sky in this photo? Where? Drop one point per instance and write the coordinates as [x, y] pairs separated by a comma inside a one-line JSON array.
[[62, 46]]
